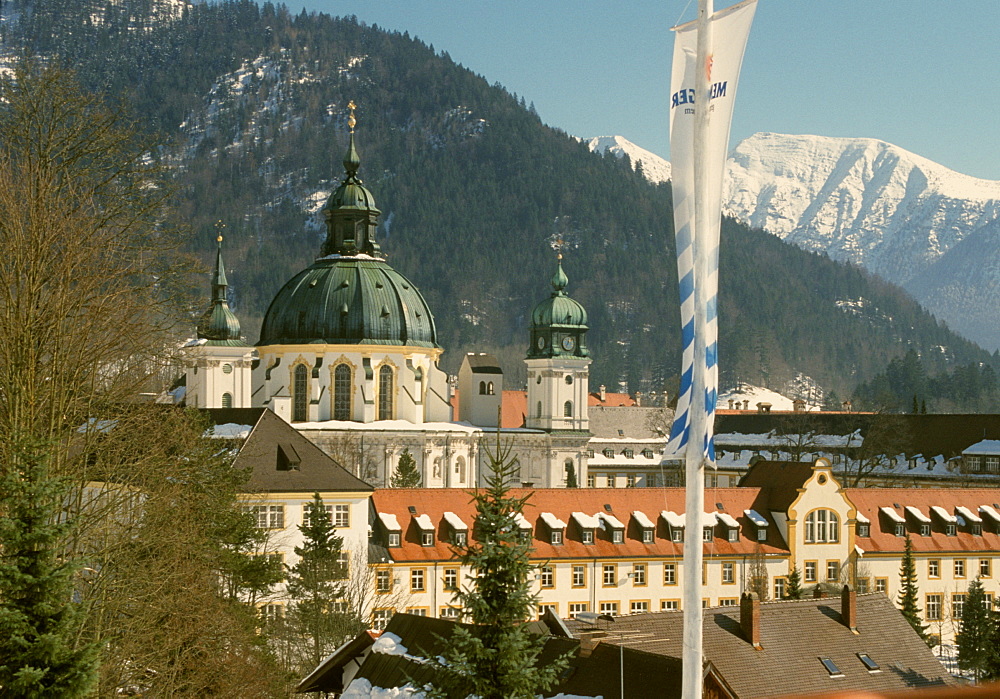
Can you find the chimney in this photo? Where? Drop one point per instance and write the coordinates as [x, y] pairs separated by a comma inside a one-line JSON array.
[[603, 394], [731, 401], [849, 608], [638, 399], [746, 405], [750, 618]]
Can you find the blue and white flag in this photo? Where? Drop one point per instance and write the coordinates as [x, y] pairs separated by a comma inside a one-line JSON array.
[[698, 149]]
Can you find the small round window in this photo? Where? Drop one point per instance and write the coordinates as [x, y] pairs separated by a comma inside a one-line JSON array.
[[227, 368], [821, 479], [569, 379]]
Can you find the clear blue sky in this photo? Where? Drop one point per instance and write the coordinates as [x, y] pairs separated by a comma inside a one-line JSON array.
[[920, 74]]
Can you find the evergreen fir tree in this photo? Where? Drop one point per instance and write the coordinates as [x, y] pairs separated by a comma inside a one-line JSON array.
[[406, 475], [908, 590], [571, 477], [991, 668], [316, 583], [39, 624], [975, 637], [793, 586], [497, 658]]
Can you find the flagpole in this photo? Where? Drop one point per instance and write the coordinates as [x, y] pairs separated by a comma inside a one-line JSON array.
[[695, 452]]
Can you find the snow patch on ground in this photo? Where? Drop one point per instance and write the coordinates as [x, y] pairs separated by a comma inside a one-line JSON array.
[[361, 688]]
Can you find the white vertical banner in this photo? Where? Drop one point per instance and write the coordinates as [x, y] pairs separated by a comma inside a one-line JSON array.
[[697, 189], [708, 54]]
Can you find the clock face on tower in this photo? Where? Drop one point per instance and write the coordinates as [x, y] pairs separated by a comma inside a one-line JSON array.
[[568, 343]]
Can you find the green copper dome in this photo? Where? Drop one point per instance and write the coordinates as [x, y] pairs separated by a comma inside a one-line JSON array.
[[350, 295], [349, 300], [219, 325], [558, 324]]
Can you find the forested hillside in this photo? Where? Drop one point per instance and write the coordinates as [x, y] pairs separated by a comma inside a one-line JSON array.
[[250, 102]]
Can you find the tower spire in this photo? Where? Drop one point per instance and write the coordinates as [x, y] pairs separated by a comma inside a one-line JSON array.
[[219, 325]]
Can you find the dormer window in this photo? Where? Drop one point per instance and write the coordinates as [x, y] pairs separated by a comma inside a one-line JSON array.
[[393, 532], [900, 530], [617, 536], [925, 530], [556, 527], [461, 538], [647, 453], [459, 529], [706, 534], [677, 535], [734, 535], [588, 536], [977, 529], [951, 529], [864, 529], [759, 521], [587, 525], [426, 527], [647, 536], [609, 453], [629, 454]]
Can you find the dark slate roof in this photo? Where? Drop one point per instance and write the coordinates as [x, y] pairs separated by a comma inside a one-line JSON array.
[[483, 363], [237, 416], [632, 420], [930, 435], [647, 676], [794, 635], [282, 460], [779, 482]]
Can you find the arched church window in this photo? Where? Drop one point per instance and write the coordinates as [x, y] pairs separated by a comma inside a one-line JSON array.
[[482, 388], [489, 389], [227, 400], [342, 380], [538, 410], [568, 409], [460, 469], [300, 394], [385, 393]]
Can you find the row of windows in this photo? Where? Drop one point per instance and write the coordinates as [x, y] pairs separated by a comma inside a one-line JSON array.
[[273, 516], [959, 568], [676, 535], [950, 529], [567, 409], [609, 453], [989, 464], [934, 605], [596, 479], [343, 378]]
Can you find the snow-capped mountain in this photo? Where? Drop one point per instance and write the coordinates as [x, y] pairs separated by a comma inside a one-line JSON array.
[[655, 168], [905, 218], [911, 221]]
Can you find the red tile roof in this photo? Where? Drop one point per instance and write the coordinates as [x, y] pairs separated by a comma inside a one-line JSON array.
[[513, 408], [611, 400], [562, 502], [883, 537]]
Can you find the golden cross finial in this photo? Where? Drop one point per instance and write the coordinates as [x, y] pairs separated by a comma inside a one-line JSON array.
[[559, 245], [219, 225], [351, 121]]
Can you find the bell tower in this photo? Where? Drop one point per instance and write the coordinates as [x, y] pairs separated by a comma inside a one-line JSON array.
[[558, 361]]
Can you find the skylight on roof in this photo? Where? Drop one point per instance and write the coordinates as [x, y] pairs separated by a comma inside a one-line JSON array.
[[831, 667], [870, 664]]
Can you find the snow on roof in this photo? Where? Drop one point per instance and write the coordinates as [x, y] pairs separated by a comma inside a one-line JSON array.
[[710, 519], [990, 512], [987, 446], [644, 521], [455, 522], [755, 395], [389, 644], [230, 430], [756, 517], [424, 522], [522, 521], [611, 520], [389, 426], [893, 515], [858, 550], [389, 521], [673, 519], [917, 514], [944, 514], [727, 520], [861, 518], [783, 442], [585, 520], [969, 514], [552, 521]]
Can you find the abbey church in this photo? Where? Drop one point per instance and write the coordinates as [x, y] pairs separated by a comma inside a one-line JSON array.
[[348, 354]]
